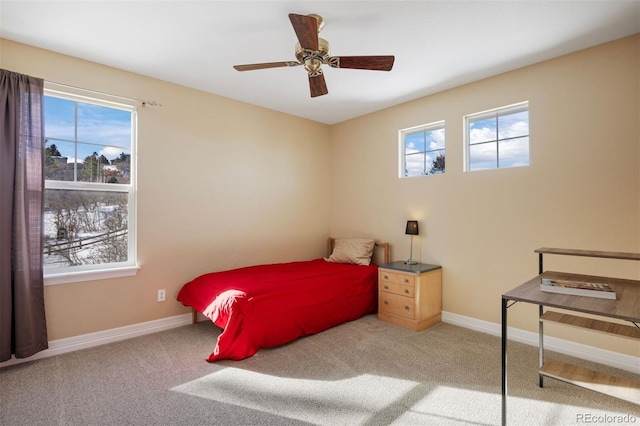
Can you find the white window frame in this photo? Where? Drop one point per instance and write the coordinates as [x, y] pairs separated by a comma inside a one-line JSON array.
[[496, 112], [80, 273], [402, 155]]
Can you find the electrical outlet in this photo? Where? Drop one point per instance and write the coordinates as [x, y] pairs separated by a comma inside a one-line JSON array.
[[162, 295]]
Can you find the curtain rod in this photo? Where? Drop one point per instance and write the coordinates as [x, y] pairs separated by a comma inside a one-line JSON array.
[[142, 101]]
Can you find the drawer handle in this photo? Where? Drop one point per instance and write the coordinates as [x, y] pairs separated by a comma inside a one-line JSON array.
[[406, 280], [386, 287], [406, 291], [406, 308], [386, 302], [386, 277]]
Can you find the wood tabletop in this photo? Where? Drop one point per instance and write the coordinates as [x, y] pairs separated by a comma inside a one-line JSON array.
[[625, 307]]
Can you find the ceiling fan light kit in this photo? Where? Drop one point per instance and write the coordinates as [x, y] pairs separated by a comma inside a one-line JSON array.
[[312, 52]]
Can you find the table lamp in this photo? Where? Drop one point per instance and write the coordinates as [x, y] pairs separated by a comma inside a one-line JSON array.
[[412, 229]]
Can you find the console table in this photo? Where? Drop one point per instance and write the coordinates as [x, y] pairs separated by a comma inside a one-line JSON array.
[[624, 307]]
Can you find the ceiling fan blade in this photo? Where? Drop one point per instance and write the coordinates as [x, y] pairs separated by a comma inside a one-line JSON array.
[[376, 63], [317, 85], [249, 67], [306, 28]]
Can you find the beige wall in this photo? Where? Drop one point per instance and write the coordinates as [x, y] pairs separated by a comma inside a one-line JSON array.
[[222, 184], [225, 184], [580, 191]]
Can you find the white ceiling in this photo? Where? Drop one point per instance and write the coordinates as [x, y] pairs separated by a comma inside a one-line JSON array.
[[437, 44]]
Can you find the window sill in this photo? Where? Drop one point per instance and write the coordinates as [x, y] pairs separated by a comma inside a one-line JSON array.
[[74, 277]]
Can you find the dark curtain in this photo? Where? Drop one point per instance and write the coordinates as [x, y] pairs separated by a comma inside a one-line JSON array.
[[23, 329]]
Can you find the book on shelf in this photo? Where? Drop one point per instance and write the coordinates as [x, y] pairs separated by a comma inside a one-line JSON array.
[[578, 288]]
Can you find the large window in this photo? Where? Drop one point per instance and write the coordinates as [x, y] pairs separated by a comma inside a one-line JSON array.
[[498, 138], [89, 186], [422, 150]]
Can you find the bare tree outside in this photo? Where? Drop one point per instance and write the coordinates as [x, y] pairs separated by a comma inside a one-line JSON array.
[[85, 227]]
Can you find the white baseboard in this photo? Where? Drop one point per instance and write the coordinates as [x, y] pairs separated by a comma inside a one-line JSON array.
[[70, 344], [590, 353], [578, 350]]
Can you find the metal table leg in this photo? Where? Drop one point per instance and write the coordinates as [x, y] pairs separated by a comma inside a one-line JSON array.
[[504, 362], [540, 345]]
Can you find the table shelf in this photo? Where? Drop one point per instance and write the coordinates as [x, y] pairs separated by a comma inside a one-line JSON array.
[[591, 324], [590, 253], [628, 390]]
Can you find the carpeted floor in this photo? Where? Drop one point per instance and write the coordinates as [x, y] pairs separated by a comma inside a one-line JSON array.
[[365, 372]]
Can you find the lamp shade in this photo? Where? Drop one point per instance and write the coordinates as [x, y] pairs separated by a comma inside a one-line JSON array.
[[412, 227]]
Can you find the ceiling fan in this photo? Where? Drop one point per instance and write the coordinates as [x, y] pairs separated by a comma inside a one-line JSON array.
[[313, 51]]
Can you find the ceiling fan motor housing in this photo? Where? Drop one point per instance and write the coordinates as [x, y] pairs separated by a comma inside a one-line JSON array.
[[313, 59]]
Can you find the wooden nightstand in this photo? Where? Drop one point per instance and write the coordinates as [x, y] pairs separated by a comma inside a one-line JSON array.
[[410, 295]]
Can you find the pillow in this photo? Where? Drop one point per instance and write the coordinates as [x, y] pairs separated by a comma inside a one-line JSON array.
[[352, 250]]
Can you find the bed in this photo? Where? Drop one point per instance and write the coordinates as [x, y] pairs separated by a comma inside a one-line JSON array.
[[265, 306]]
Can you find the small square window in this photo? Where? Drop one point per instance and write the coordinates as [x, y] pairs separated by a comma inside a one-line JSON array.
[[422, 150], [498, 138]]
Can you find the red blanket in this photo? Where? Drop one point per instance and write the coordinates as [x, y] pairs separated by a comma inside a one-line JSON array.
[[270, 305]]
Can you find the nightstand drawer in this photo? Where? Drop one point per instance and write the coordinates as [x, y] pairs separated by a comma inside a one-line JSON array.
[[397, 305], [391, 277], [401, 289]]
